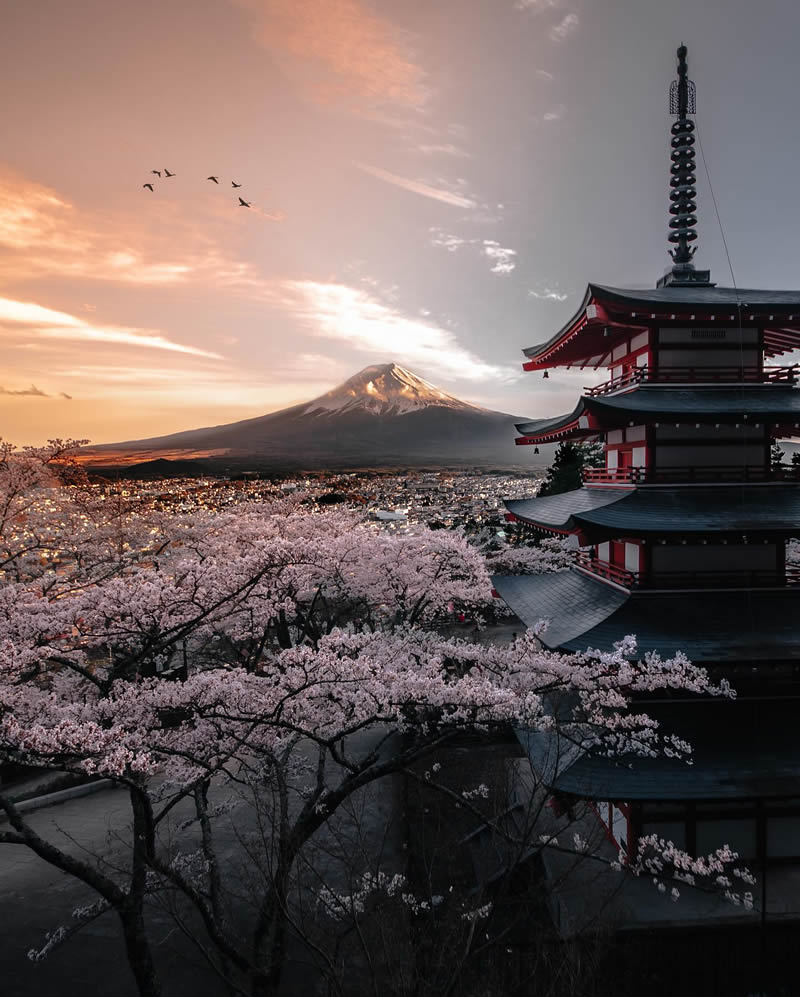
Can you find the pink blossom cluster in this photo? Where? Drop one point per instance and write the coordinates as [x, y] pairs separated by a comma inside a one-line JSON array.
[[716, 872], [549, 554]]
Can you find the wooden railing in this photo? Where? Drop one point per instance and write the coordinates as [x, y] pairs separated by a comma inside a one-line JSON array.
[[686, 475], [604, 569], [738, 578], [697, 375]]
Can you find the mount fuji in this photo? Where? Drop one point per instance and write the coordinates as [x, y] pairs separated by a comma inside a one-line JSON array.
[[384, 415]]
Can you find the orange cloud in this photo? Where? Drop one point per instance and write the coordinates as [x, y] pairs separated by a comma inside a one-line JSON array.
[[43, 235], [341, 48], [46, 323]]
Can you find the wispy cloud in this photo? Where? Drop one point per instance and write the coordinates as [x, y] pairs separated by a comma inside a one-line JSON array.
[[564, 28], [417, 187], [351, 315], [45, 323], [446, 149], [31, 391], [554, 114], [339, 51], [502, 258], [537, 6], [547, 294], [544, 75], [446, 240]]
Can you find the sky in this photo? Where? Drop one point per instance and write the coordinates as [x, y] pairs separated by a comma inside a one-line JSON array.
[[432, 182]]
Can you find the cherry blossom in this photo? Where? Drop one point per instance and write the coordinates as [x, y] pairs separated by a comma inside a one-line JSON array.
[[180, 652]]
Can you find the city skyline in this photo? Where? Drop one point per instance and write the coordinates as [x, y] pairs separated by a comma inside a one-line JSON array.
[[429, 185]]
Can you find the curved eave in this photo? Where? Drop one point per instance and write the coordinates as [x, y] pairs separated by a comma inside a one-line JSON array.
[[572, 431], [561, 513], [584, 341], [571, 602], [608, 314], [605, 513], [578, 424], [720, 627], [776, 405]]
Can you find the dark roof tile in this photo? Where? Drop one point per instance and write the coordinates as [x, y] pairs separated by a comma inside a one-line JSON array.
[[721, 626], [770, 507]]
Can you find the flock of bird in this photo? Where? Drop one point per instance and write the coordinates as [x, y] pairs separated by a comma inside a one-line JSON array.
[[166, 174]]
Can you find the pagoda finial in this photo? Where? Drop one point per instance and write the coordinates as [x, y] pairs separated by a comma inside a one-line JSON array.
[[683, 193]]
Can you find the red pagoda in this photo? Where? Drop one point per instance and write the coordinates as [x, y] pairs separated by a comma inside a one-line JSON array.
[[683, 535]]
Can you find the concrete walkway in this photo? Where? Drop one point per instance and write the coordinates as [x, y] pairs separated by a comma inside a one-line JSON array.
[[36, 898]]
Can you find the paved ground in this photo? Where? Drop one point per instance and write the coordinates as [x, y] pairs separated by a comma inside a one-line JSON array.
[[36, 898]]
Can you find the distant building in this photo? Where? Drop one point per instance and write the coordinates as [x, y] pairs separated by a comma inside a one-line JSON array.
[[390, 515]]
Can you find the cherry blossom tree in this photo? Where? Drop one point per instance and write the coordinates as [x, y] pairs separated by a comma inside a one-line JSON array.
[[270, 659], [548, 554]]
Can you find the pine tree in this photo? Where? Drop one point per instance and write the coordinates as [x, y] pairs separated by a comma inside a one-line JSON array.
[[776, 456], [564, 474]]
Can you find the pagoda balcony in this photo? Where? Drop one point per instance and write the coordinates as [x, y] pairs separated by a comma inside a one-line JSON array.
[[679, 580], [627, 476], [696, 375]]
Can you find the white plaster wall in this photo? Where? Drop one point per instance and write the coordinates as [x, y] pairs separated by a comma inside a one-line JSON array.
[[632, 557], [619, 351]]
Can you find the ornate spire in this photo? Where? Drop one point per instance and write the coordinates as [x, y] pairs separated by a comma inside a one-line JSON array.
[[683, 178]]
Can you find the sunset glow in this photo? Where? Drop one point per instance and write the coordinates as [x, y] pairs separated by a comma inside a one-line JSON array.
[[426, 184]]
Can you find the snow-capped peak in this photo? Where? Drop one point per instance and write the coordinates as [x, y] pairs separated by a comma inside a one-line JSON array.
[[385, 389]]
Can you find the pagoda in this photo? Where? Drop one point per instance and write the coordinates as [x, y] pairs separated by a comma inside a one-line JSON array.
[[682, 536]]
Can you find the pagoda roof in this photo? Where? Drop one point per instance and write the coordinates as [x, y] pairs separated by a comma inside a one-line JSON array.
[[774, 403], [778, 402], [726, 763], [725, 626], [572, 425], [607, 315], [573, 603], [754, 508], [703, 296], [564, 512]]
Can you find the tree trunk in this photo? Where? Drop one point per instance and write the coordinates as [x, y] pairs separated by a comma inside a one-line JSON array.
[[270, 939], [140, 956]]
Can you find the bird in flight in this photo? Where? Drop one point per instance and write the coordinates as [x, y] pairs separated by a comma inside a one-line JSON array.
[[234, 184], [157, 172], [167, 173], [149, 186], [215, 179], [243, 203]]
